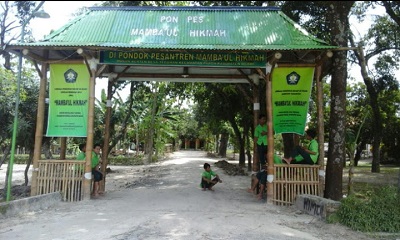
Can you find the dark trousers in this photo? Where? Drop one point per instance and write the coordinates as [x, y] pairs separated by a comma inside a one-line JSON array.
[[98, 176], [205, 184], [306, 156], [262, 150]]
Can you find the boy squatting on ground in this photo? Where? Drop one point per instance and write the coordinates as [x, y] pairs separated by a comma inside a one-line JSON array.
[[206, 181]]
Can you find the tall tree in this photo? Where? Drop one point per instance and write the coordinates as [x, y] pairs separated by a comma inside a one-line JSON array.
[[381, 45], [329, 21], [338, 16]]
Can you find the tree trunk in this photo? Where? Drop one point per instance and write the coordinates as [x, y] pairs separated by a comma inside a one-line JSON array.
[[216, 142], [6, 153], [359, 152], [247, 141], [28, 164], [46, 148], [223, 144], [338, 17], [377, 124], [150, 132], [288, 144]]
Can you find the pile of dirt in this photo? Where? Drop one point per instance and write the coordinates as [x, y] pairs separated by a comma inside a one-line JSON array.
[[17, 192], [231, 169]]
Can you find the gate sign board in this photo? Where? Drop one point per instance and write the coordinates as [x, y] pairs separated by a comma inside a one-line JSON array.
[[68, 100], [248, 59], [291, 90]]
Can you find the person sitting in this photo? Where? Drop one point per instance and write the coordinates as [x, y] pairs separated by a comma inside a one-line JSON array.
[[97, 174], [305, 155], [81, 157], [260, 177], [206, 182]]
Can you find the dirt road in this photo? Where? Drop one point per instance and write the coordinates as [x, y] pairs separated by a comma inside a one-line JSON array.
[[164, 201]]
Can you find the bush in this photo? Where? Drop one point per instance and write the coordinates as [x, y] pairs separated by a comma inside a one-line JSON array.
[[379, 212], [21, 158]]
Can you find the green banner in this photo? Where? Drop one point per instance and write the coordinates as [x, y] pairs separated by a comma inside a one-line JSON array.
[[68, 100], [291, 90], [187, 58]]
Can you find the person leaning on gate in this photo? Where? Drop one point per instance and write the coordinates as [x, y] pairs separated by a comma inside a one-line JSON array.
[[95, 164], [97, 174]]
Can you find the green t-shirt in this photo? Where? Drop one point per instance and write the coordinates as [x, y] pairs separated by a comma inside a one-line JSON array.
[[208, 175], [313, 147], [261, 139], [95, 159], [277, 159], [81, 156]]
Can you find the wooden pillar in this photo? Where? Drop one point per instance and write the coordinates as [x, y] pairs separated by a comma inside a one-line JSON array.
[[256, 113], [197, 144], [270, 169], [105, 149], [63, 148], [39, 127], [187, 143], [270, 155], [90, 130], [320, 125]]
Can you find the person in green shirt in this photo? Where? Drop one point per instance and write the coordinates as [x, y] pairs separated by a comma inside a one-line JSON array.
[[95, 164], [305, 155], [260, 137], [206, 182], [81, 156], [97, 174]]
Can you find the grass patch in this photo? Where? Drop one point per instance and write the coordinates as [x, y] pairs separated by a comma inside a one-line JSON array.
[[375, 205], [377, 211]]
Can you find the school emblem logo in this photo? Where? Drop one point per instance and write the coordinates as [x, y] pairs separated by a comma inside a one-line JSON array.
[[70, 76], [292, 78]]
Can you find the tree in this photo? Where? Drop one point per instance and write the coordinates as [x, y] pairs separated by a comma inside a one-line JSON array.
[[381, 44], [329, 21], [338, 15], [218, 104]]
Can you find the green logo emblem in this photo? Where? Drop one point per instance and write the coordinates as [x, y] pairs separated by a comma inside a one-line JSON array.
[[70, 76], [293, 78]]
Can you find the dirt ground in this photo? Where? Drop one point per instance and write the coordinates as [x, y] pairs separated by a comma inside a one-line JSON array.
[[164, 201]]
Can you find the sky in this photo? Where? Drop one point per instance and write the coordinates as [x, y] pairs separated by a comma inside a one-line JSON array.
[[61, 12]]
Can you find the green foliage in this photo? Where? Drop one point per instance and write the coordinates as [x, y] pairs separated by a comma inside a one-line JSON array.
[[117, 160], [20, 158], [379, 212]]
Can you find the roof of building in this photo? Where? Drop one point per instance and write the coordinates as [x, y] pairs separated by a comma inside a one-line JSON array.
[[225, 30]]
